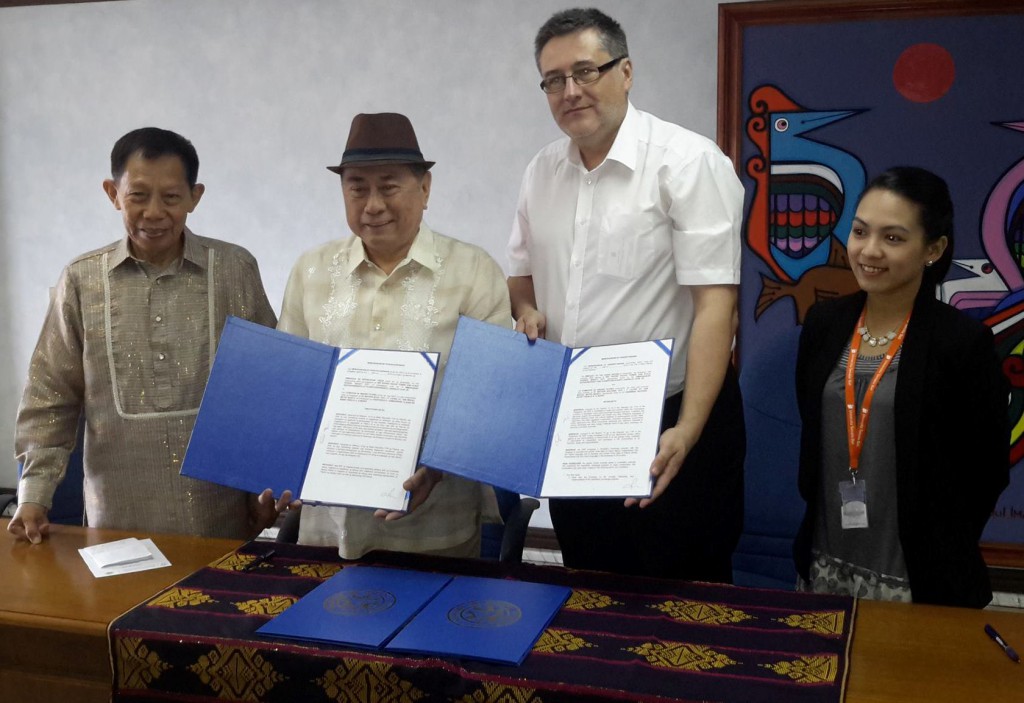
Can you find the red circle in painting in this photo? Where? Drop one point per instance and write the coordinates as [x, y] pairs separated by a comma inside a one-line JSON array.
[[924, 72]]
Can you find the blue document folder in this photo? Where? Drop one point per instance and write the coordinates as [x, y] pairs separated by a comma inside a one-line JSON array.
[[495, 415], [480, 618], [361, 606], [261, 411]]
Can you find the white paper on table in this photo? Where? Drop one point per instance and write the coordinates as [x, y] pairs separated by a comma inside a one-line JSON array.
[[124, 556], [609, 421], [369, 437]]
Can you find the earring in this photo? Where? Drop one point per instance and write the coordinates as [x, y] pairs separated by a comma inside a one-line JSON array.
[[928, 263]]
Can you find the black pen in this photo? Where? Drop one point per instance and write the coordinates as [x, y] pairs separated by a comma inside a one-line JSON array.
[[259, 560], [991, 632]]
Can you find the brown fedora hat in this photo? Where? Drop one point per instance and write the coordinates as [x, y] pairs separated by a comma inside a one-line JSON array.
[[378, 139]]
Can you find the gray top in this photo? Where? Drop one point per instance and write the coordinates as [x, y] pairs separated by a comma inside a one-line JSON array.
[[876, 549]]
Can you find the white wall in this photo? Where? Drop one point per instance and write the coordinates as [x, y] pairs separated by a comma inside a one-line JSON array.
[[266, 90]]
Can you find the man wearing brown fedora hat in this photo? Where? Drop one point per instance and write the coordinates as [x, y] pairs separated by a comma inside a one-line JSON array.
[[396, 284]]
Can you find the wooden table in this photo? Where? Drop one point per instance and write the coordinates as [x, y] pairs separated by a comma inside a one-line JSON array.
[[54, 613], [928, 653]]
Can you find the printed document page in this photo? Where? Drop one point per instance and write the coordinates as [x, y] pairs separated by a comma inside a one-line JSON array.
[[369, 437], [608, 423]]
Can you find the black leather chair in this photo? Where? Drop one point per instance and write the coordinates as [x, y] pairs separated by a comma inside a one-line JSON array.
[[288, 531], [5, 500], [772, 506], [505, 542]]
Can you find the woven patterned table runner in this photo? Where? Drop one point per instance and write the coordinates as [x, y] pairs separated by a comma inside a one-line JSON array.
[[616, 639]]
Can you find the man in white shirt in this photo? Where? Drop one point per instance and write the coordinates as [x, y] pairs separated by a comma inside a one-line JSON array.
[[396, 284], [629, 230]]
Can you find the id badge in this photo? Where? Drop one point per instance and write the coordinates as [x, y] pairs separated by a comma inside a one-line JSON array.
[[854, 498]]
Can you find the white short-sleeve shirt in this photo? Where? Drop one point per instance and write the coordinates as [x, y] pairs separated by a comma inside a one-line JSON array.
[[613, 251]]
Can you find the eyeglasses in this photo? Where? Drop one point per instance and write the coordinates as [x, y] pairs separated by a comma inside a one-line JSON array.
[[582, 76]]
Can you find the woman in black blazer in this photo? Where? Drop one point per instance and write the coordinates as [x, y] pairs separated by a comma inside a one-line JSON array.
[[897, 501]]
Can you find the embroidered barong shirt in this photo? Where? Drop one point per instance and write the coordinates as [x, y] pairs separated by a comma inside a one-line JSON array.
[[130, 348], [335, 295]]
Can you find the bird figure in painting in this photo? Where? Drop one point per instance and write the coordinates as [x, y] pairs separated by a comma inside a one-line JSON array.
[[804, 199], [984, 288]]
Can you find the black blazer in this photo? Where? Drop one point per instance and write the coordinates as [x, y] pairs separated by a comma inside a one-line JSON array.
[[952, 440]]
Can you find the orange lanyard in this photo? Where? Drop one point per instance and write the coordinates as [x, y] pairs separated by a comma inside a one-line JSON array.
[[855, 431]]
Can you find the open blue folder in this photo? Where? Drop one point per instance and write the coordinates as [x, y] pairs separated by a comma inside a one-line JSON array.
[[261, 413], [266, 390], [494, 419], [361, 606]]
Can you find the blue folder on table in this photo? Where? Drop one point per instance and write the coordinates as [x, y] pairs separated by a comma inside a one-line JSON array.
[[494, 620], [361, 606]]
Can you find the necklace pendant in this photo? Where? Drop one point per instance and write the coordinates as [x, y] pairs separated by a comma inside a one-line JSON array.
[[884, 340]]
